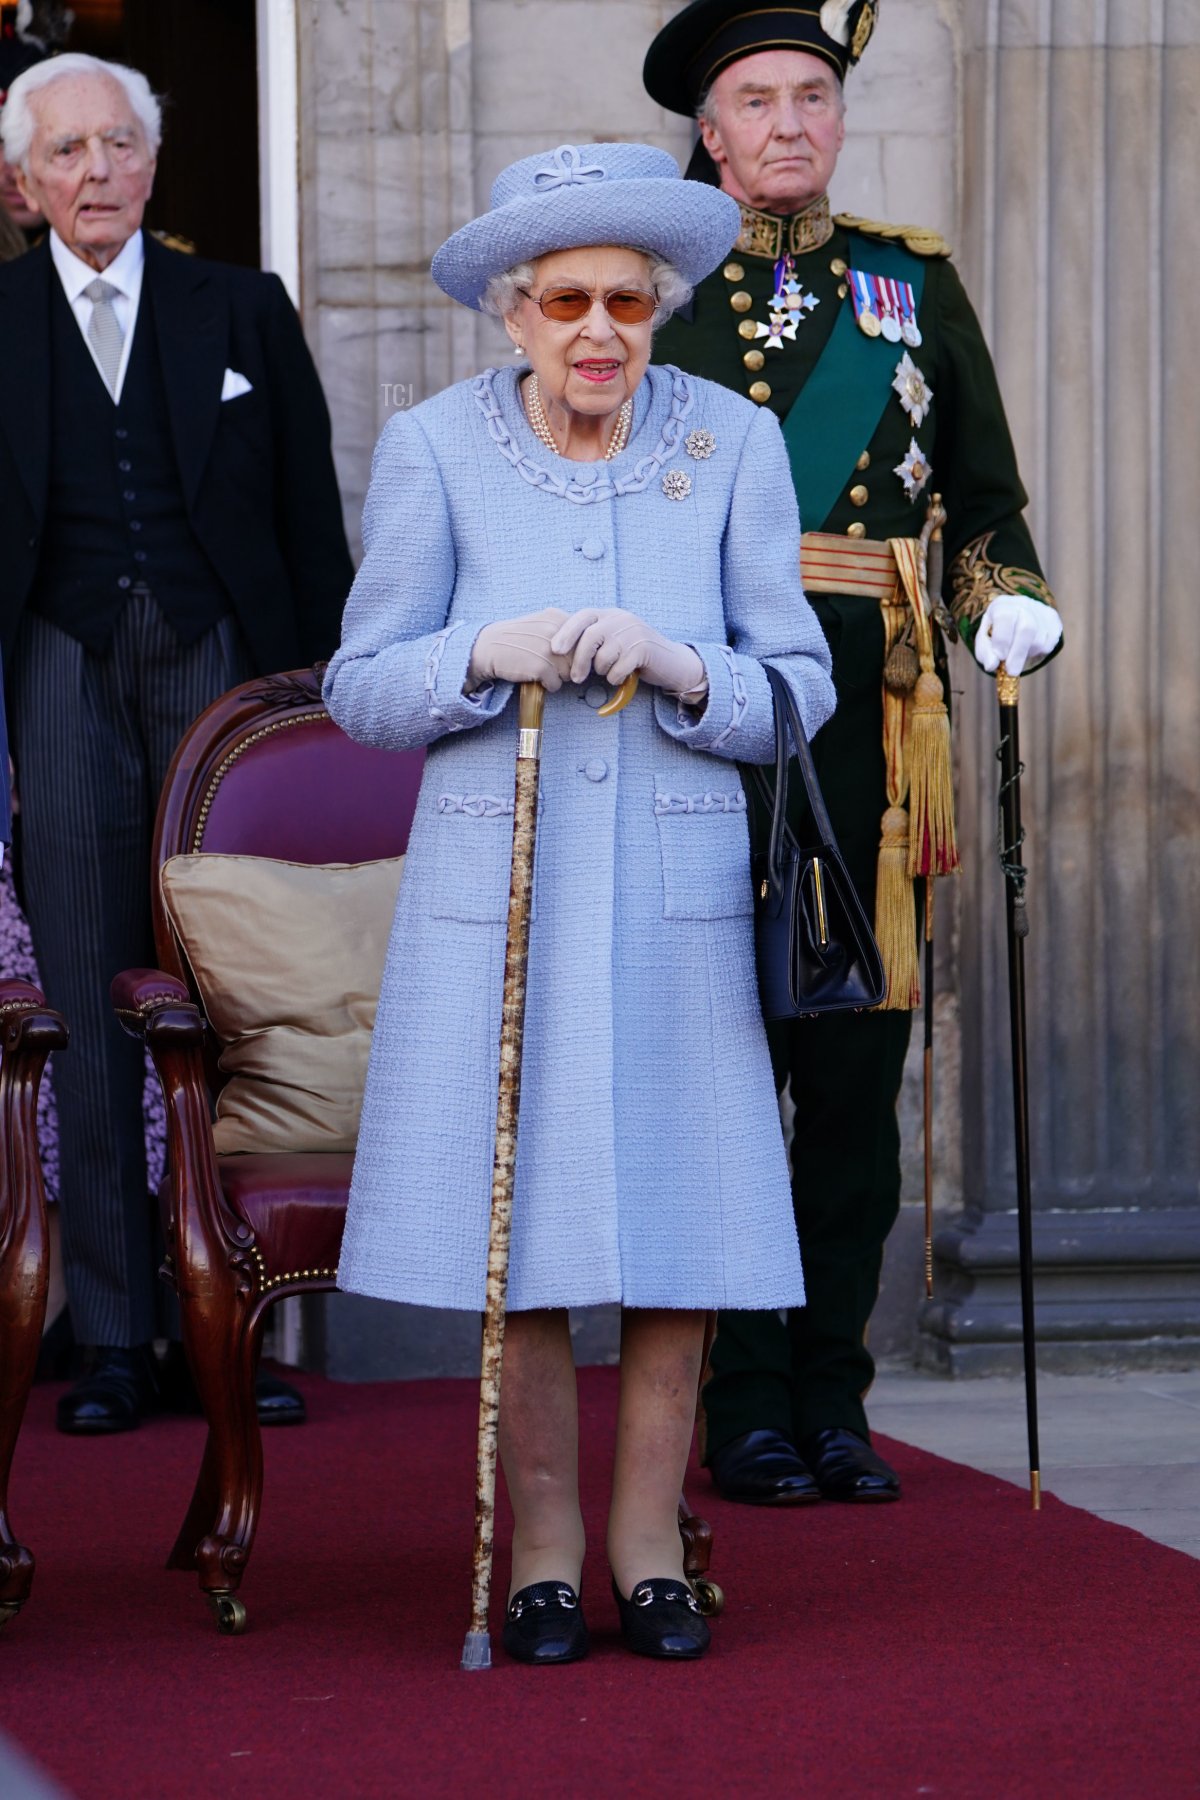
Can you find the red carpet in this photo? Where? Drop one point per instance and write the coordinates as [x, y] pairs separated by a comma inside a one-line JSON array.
[[954, 1645]]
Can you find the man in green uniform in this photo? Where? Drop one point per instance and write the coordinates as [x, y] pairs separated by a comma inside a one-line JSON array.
[[861, 338]]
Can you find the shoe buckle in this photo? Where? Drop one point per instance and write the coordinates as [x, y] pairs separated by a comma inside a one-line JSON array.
[[567, 1599], [643, 1595]]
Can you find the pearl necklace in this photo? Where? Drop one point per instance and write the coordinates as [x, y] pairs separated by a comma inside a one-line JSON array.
[[541, 427]]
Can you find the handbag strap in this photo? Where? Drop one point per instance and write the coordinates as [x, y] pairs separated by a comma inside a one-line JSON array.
[[788, 723]]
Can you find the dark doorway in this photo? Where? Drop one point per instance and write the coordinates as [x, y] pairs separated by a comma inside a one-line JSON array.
[[200, 57]]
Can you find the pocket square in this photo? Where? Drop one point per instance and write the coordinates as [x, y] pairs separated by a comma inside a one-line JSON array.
[[233, 385]]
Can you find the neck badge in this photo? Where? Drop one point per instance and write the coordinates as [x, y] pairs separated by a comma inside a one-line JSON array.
[[787, 307]]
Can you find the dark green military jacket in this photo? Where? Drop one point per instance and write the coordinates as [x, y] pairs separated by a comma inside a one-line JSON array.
[[964, 436], [963, 442]]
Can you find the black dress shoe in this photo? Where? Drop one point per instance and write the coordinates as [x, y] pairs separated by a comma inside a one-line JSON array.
[[118, 1390], [275, 1401], [762, 1468], [662, 1618], [846, 1467], [278, 1402], [544, 1624]]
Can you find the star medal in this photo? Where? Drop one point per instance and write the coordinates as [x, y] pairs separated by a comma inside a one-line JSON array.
[[910, 331], [789, 293], [864, 303], [914, 471], [889, 323], [916, 396]]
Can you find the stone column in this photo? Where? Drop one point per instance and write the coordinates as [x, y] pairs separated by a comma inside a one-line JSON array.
[[1081, 247]]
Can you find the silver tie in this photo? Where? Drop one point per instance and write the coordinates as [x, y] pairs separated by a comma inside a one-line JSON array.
[[104, 333]]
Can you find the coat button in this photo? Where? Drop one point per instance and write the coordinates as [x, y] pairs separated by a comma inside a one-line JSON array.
[[585, 474], [596, 696], [859, 495], [595, 771], [593, 548]]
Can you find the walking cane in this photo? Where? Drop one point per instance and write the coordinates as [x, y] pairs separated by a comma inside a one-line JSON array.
[[477, 1648], [1012, 837]]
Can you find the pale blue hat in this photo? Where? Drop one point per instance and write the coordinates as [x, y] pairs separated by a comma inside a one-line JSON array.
[[589, 194]]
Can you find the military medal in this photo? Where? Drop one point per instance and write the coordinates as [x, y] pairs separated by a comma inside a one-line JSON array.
[[868, 318], [914, 471], [916, 396], [910, 331], [889, 323]]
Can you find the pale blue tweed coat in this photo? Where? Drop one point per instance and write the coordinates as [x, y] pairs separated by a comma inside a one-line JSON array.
[[650, 1166]]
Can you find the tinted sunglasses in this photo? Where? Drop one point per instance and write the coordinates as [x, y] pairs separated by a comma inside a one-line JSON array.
[[625, 306]]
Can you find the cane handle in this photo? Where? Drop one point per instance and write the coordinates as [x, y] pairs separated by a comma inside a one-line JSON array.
[[621, 698]]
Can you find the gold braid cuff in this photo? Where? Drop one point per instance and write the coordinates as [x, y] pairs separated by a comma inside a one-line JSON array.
[[976, 578]]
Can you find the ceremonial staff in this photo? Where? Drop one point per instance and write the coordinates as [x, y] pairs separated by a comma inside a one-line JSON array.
[[477, 1648], [1012, 837]]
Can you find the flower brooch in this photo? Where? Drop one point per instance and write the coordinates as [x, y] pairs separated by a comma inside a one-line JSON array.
[[699, 444]]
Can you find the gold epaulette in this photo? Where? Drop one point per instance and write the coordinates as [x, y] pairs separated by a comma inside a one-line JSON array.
[[917, 238], [170, 241]]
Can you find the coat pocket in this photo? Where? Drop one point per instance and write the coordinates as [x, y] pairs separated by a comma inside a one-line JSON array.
[[705, 848], [472, 838]]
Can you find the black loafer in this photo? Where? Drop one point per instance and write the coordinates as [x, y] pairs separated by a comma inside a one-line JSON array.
[[544, 1624], [762, 1468], [119, 1389], [846, 1467], [662, 1618]]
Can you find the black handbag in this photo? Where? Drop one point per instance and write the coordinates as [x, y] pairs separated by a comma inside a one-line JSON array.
[[815, 949]]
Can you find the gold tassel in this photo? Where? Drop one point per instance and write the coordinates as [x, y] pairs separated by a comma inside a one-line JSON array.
[[933, 848], [895, 916]]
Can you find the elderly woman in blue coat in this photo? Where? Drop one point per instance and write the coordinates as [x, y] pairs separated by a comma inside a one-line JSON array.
[[572, 520]]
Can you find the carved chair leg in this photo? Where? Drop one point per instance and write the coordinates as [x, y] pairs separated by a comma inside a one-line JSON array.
[[223, 1344], [29, 1034]]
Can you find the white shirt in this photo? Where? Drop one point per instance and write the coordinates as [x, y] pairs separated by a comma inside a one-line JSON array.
[[124, 273]]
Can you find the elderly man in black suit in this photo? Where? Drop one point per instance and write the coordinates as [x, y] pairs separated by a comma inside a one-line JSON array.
[[169, 526]]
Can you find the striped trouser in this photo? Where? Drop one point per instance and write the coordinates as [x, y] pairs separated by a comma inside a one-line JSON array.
[[92, 737]]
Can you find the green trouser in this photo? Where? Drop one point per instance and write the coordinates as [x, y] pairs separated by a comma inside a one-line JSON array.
[[845, 1071]]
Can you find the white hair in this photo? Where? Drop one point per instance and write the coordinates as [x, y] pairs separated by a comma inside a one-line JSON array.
[[17, 122], [500, 294]]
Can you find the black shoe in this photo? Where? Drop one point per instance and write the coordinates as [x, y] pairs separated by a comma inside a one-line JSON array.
[[544, 1624], [119, 1389], [762, 1468], [662, 1618], [846, 1467], [276, 1402]]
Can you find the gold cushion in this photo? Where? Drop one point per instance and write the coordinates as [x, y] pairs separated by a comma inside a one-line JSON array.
[[288, 959]]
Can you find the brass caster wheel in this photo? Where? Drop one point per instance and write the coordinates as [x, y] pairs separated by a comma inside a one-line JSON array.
[[710, 1597], [229, 1613], [8, 1610]]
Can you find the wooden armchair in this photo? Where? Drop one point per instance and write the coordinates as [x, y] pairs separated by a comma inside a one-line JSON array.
[[29, 1031], [264, 772]]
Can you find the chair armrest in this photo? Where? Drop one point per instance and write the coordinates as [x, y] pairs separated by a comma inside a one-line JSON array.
[[204, 1231], [140, 996]]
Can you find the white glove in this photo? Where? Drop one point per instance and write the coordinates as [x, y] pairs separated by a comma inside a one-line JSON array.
[[519, 650], [1013, 629], [616, 643]]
